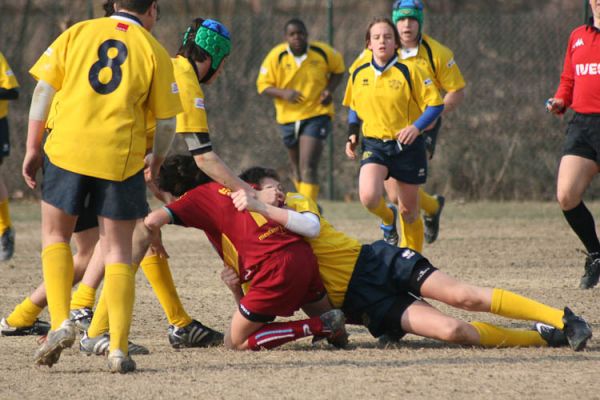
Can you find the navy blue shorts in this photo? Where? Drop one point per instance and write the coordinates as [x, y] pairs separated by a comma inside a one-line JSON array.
[[318, 127], [4, 138], [408, 165], [583, 137], [386, 280], [73, 193]]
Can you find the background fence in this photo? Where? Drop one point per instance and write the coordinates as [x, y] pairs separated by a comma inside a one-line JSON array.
[[500, 144]]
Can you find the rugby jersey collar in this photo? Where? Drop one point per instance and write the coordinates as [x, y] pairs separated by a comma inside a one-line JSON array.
[[408, 52], [381, 69], [299, 59], [123, 16]]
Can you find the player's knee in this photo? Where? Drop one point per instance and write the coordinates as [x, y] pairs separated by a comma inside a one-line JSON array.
[[233, 344], [454, 331], [566, 199], [467, 299], [369, 200]]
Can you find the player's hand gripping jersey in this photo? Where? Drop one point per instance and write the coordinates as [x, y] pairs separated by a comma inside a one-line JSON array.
[[391, 100], [310, 77], [113, 72]]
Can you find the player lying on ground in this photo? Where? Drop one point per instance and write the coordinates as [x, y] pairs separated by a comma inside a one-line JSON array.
[[383, 286], [279, 266]]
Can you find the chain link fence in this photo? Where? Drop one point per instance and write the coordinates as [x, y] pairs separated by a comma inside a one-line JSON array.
[[499, 144]]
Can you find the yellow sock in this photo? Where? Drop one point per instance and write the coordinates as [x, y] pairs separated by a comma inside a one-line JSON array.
[[57, 265], [383, 212], [511, 305], [427, 202], [310, 190], [412, 234], [5, 222], [119, 285], [496, 336], [158, 273], [99, 324], [84, 297], [24, 314]]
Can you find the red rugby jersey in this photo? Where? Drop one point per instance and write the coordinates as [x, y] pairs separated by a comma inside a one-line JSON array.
[[580, 79], [253, 237]]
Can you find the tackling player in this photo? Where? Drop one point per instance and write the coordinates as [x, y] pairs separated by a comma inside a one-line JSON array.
[[99, 153], [383, 286], [9, 90], [301, 76], [278, 266]]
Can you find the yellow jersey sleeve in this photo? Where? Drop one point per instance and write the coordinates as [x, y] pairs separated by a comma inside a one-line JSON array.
[[50, 67], [7, 81], [424, 91], [267, 75], [336, 252], [336, 61], [193, 119], [163, 99], [447, 74]]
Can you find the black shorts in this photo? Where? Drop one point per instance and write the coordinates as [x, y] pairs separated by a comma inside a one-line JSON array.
[[386, 280], [431, 137], [87, 219], [407, 164], [318, 127], [73, 193], [4, 139], [583, 137]]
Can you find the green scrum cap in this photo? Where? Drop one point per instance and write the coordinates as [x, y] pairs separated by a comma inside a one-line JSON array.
[[408, 9], [212, 37]]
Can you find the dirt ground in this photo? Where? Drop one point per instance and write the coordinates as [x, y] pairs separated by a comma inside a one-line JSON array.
[[524, 247]]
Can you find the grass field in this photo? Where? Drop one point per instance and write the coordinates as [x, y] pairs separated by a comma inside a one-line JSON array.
[[524, 247]]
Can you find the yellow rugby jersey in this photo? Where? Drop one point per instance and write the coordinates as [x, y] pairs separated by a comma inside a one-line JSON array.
[[391, 100], [336, 253], [434, 57], [111, 71], [7, 81], [193, 118], [279, 70]]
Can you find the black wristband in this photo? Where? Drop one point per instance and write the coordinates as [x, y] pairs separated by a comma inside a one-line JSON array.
[[353, 129]]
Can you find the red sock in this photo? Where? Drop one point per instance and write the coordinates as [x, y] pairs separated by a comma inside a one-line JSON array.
[[277, 333]]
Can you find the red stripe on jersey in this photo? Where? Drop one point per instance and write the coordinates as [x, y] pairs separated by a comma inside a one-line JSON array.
[[122, 27]]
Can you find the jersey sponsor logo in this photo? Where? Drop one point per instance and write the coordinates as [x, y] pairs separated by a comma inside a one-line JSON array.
[[263, 70], [174, 88], [394, 84], [48, 52], [199, 103], [451, 63], [427, 82], [122, 27], [587, 69], [9, 72], [225, 191], [578, 43], [408, 254], [271, 232], [365, 82]]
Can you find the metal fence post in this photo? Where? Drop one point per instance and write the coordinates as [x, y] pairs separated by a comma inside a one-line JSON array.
[[330, 138]]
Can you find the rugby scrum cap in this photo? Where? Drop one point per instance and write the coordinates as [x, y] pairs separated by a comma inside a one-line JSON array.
[[408, 9], [212, 37]]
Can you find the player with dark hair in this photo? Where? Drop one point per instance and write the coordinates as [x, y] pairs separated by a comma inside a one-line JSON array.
[[421, 49], [396, 101], [277, 267], [301, 76], [98, 153], [579, 90], [9, 90], [383, 286]]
